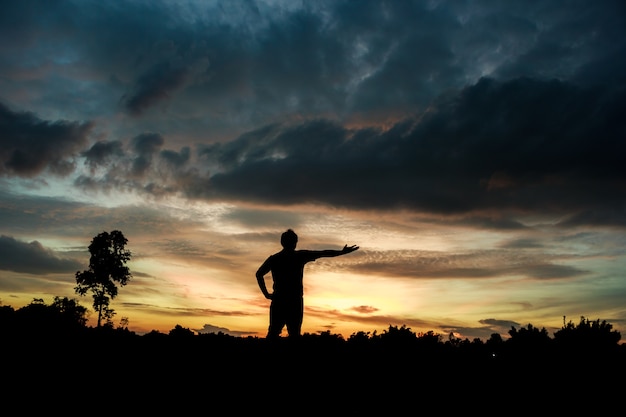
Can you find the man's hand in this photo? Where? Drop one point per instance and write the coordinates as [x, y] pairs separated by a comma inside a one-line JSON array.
[[348, 249]]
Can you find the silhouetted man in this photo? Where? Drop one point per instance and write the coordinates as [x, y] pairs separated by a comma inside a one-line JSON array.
[[287, 268]]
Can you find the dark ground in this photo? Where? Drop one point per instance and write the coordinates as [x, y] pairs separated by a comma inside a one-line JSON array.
[[224, 375]]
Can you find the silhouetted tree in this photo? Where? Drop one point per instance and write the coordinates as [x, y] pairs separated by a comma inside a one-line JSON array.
[[62, 317], [359, 338], [529, 335], [107, 266], [396, 338], [155, 334], [429, 339], [35, 315], [7, 319], [124, 323], [327, 335], [180, 331], [453, 340], [587, 335], [529, 342], [495, 344], [70, 311], [6, 311]]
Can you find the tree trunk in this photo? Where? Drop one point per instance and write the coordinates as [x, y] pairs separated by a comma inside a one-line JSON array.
[[99, 316]]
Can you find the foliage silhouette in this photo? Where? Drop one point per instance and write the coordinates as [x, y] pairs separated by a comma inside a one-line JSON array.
[[62, 317], [390, 362], [529, 337], [180, 331], [587, 335], [64, 314], [372, 373], [107, 266]]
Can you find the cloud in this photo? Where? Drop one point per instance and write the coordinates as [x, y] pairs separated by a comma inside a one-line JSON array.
[[145, 145], [489, 327], [58, 218], [103, 152], [473, 264], [209, 328], [142, 167], [330, 316], [519, 146], [269, 60], [154, 86], [523, 243], [163, 79], [32, 258], [364, 309], [499, 323], [253, 218], [176, 159], [557, 151], [29, 146]]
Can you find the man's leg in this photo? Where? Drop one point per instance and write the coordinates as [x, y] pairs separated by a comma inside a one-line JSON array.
[[294, 317], [277, 319]]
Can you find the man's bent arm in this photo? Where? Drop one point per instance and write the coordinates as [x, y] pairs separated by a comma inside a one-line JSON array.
[[260, 278]]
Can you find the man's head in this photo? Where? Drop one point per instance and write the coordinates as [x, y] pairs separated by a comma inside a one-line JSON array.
[[289, 239]]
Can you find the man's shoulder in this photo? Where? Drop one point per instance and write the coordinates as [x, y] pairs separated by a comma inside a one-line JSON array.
[[307, 254], [279, 255], [296, 254]]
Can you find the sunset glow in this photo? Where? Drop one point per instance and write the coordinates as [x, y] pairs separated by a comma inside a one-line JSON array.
[[475, 152]]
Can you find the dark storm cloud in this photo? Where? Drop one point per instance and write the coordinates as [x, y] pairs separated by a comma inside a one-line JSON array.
[[402, 53], [102, 153], [142, 166], [518, 145], [156, 85], [145, 145], [543, 133], [32, 258], [580, 41], [249, 61], [29, 145], [176, 159]]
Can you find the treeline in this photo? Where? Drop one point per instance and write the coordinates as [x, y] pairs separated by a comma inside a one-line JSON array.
[[65, 317], [48, 348]]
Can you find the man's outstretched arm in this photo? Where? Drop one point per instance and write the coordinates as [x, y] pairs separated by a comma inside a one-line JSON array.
[[329, 253]]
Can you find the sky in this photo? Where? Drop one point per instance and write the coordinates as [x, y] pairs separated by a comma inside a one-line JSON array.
[[475, 151]]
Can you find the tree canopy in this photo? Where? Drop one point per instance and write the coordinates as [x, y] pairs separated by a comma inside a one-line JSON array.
[[107, 269]]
